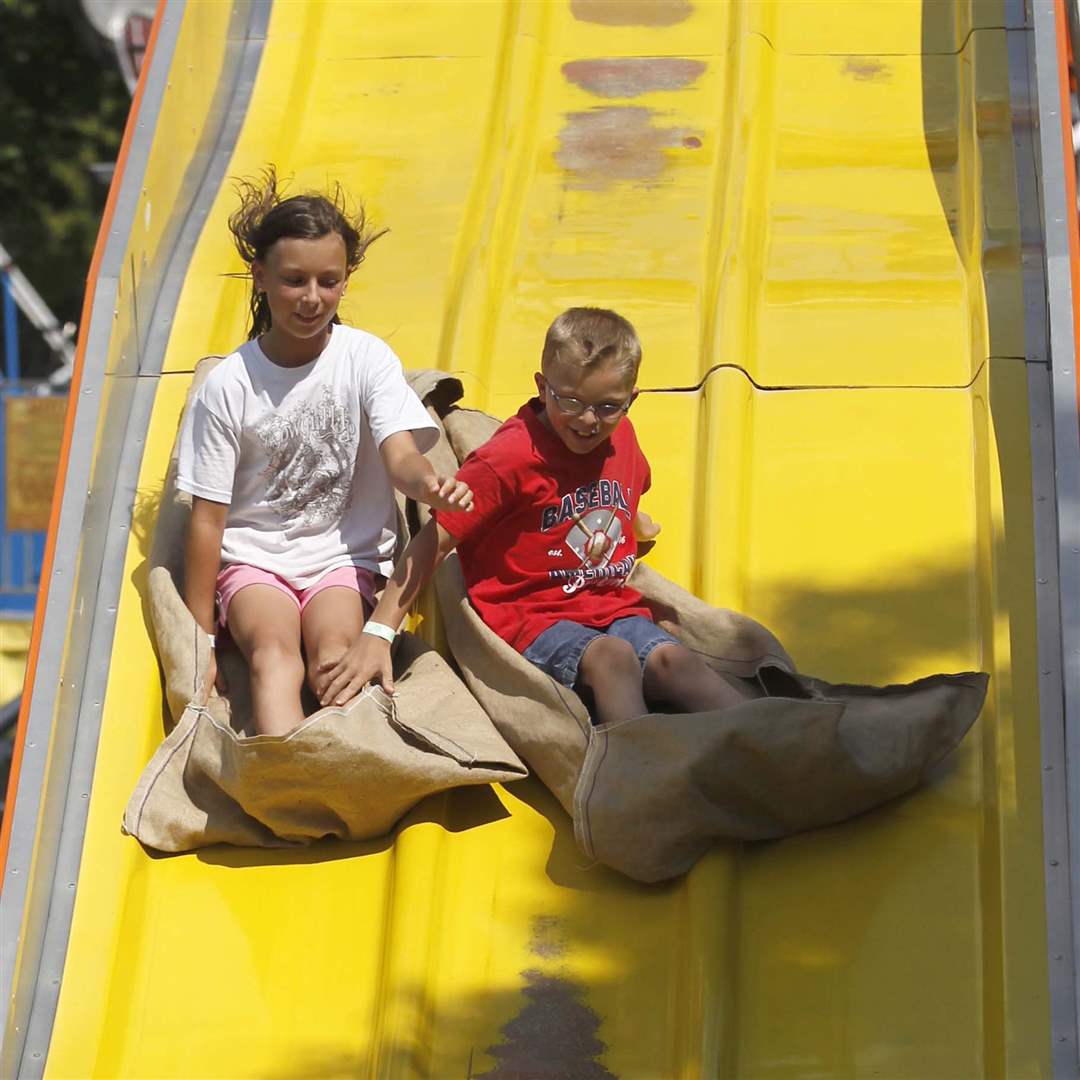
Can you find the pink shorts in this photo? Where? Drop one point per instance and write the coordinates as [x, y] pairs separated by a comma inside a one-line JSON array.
[[237, 576]]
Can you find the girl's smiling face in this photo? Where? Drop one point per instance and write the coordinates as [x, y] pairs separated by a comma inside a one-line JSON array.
[[303, 281]]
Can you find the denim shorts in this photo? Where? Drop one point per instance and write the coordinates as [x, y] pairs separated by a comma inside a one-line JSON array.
[[558, 650]]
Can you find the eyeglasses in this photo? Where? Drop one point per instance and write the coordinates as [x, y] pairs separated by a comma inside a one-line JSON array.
[[570, 406]]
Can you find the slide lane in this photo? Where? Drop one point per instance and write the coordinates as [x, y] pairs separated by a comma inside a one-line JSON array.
[[808, 229]]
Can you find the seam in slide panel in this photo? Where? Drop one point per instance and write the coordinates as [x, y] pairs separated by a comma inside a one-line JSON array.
[[878, 52], [783, 388]]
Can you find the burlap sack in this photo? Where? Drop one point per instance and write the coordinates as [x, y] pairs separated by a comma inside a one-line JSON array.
[[649, 796], [350, 773]]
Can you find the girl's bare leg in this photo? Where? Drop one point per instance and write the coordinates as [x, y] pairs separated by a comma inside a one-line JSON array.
[[331, 622], [265, 624]]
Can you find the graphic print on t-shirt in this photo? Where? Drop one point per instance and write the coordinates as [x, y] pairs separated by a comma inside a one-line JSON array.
[[311, 454], [594, 535]]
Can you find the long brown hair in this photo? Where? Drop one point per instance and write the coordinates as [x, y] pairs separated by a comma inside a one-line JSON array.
[[264, 217]]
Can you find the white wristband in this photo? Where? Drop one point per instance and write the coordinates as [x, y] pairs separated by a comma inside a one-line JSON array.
[[212, 639], [378, 629]]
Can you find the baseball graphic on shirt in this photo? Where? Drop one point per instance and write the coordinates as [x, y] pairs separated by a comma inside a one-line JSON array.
[[311, 452], [594, 537]]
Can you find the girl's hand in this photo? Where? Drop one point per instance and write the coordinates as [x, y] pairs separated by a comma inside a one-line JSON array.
[[219, 674], [366, 660], [412, 474], [447, 493]]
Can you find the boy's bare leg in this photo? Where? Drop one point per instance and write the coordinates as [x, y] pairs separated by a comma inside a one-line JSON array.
[[331, 622], [680, 680], [611, 672], [265, 624]]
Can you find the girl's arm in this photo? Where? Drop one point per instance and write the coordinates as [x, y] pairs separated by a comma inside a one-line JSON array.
[[368, 658], [202, 561], [413, 475]]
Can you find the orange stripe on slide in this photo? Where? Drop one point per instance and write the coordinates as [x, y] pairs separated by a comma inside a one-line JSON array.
[[65, 444], [1071, 222]]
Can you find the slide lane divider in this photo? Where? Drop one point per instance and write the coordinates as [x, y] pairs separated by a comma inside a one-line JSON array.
[[1050, 330], [47, 907], [20, 939]]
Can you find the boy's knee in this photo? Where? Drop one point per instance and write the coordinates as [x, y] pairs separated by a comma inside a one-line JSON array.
[[670, 663], [608, 656]]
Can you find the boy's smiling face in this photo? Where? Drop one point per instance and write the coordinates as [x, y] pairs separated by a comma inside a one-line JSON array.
[[601, 388]]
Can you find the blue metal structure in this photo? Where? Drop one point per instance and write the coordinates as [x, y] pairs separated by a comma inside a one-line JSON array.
[[21, 552]]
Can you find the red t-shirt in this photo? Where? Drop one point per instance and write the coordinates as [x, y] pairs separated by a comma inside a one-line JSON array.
[[550, 535]]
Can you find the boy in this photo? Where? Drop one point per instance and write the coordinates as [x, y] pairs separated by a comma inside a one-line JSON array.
[[551, 538]]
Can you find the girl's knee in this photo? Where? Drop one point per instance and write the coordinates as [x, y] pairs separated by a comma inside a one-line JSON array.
[[328, 650], [276, 661]]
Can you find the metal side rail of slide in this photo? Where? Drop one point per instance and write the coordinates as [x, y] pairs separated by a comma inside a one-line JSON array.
[[842, 231]]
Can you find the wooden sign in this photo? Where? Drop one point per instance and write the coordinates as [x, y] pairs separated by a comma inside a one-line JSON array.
[[33, 427]]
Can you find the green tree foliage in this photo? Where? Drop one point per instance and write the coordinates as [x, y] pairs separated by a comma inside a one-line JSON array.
[[62, 109]]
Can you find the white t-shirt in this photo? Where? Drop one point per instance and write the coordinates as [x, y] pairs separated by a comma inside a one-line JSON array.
[[294, 452]]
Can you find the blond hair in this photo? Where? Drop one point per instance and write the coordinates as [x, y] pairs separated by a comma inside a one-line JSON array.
[[586, 337]]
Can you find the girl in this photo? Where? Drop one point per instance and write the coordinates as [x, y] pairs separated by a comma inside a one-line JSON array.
[[292, 509]]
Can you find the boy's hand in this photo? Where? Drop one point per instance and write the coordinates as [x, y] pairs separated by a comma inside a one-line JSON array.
[[645, 528], [447, 493], [366, 660]]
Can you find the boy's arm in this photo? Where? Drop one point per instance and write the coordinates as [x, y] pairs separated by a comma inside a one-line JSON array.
[[368, 658], [202, 561], [412, 474]]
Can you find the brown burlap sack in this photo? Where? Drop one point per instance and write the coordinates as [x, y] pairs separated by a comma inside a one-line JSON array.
[[349, 773], [649, 796]]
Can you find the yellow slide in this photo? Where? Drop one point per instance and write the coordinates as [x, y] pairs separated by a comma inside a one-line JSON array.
[[809, 211]]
